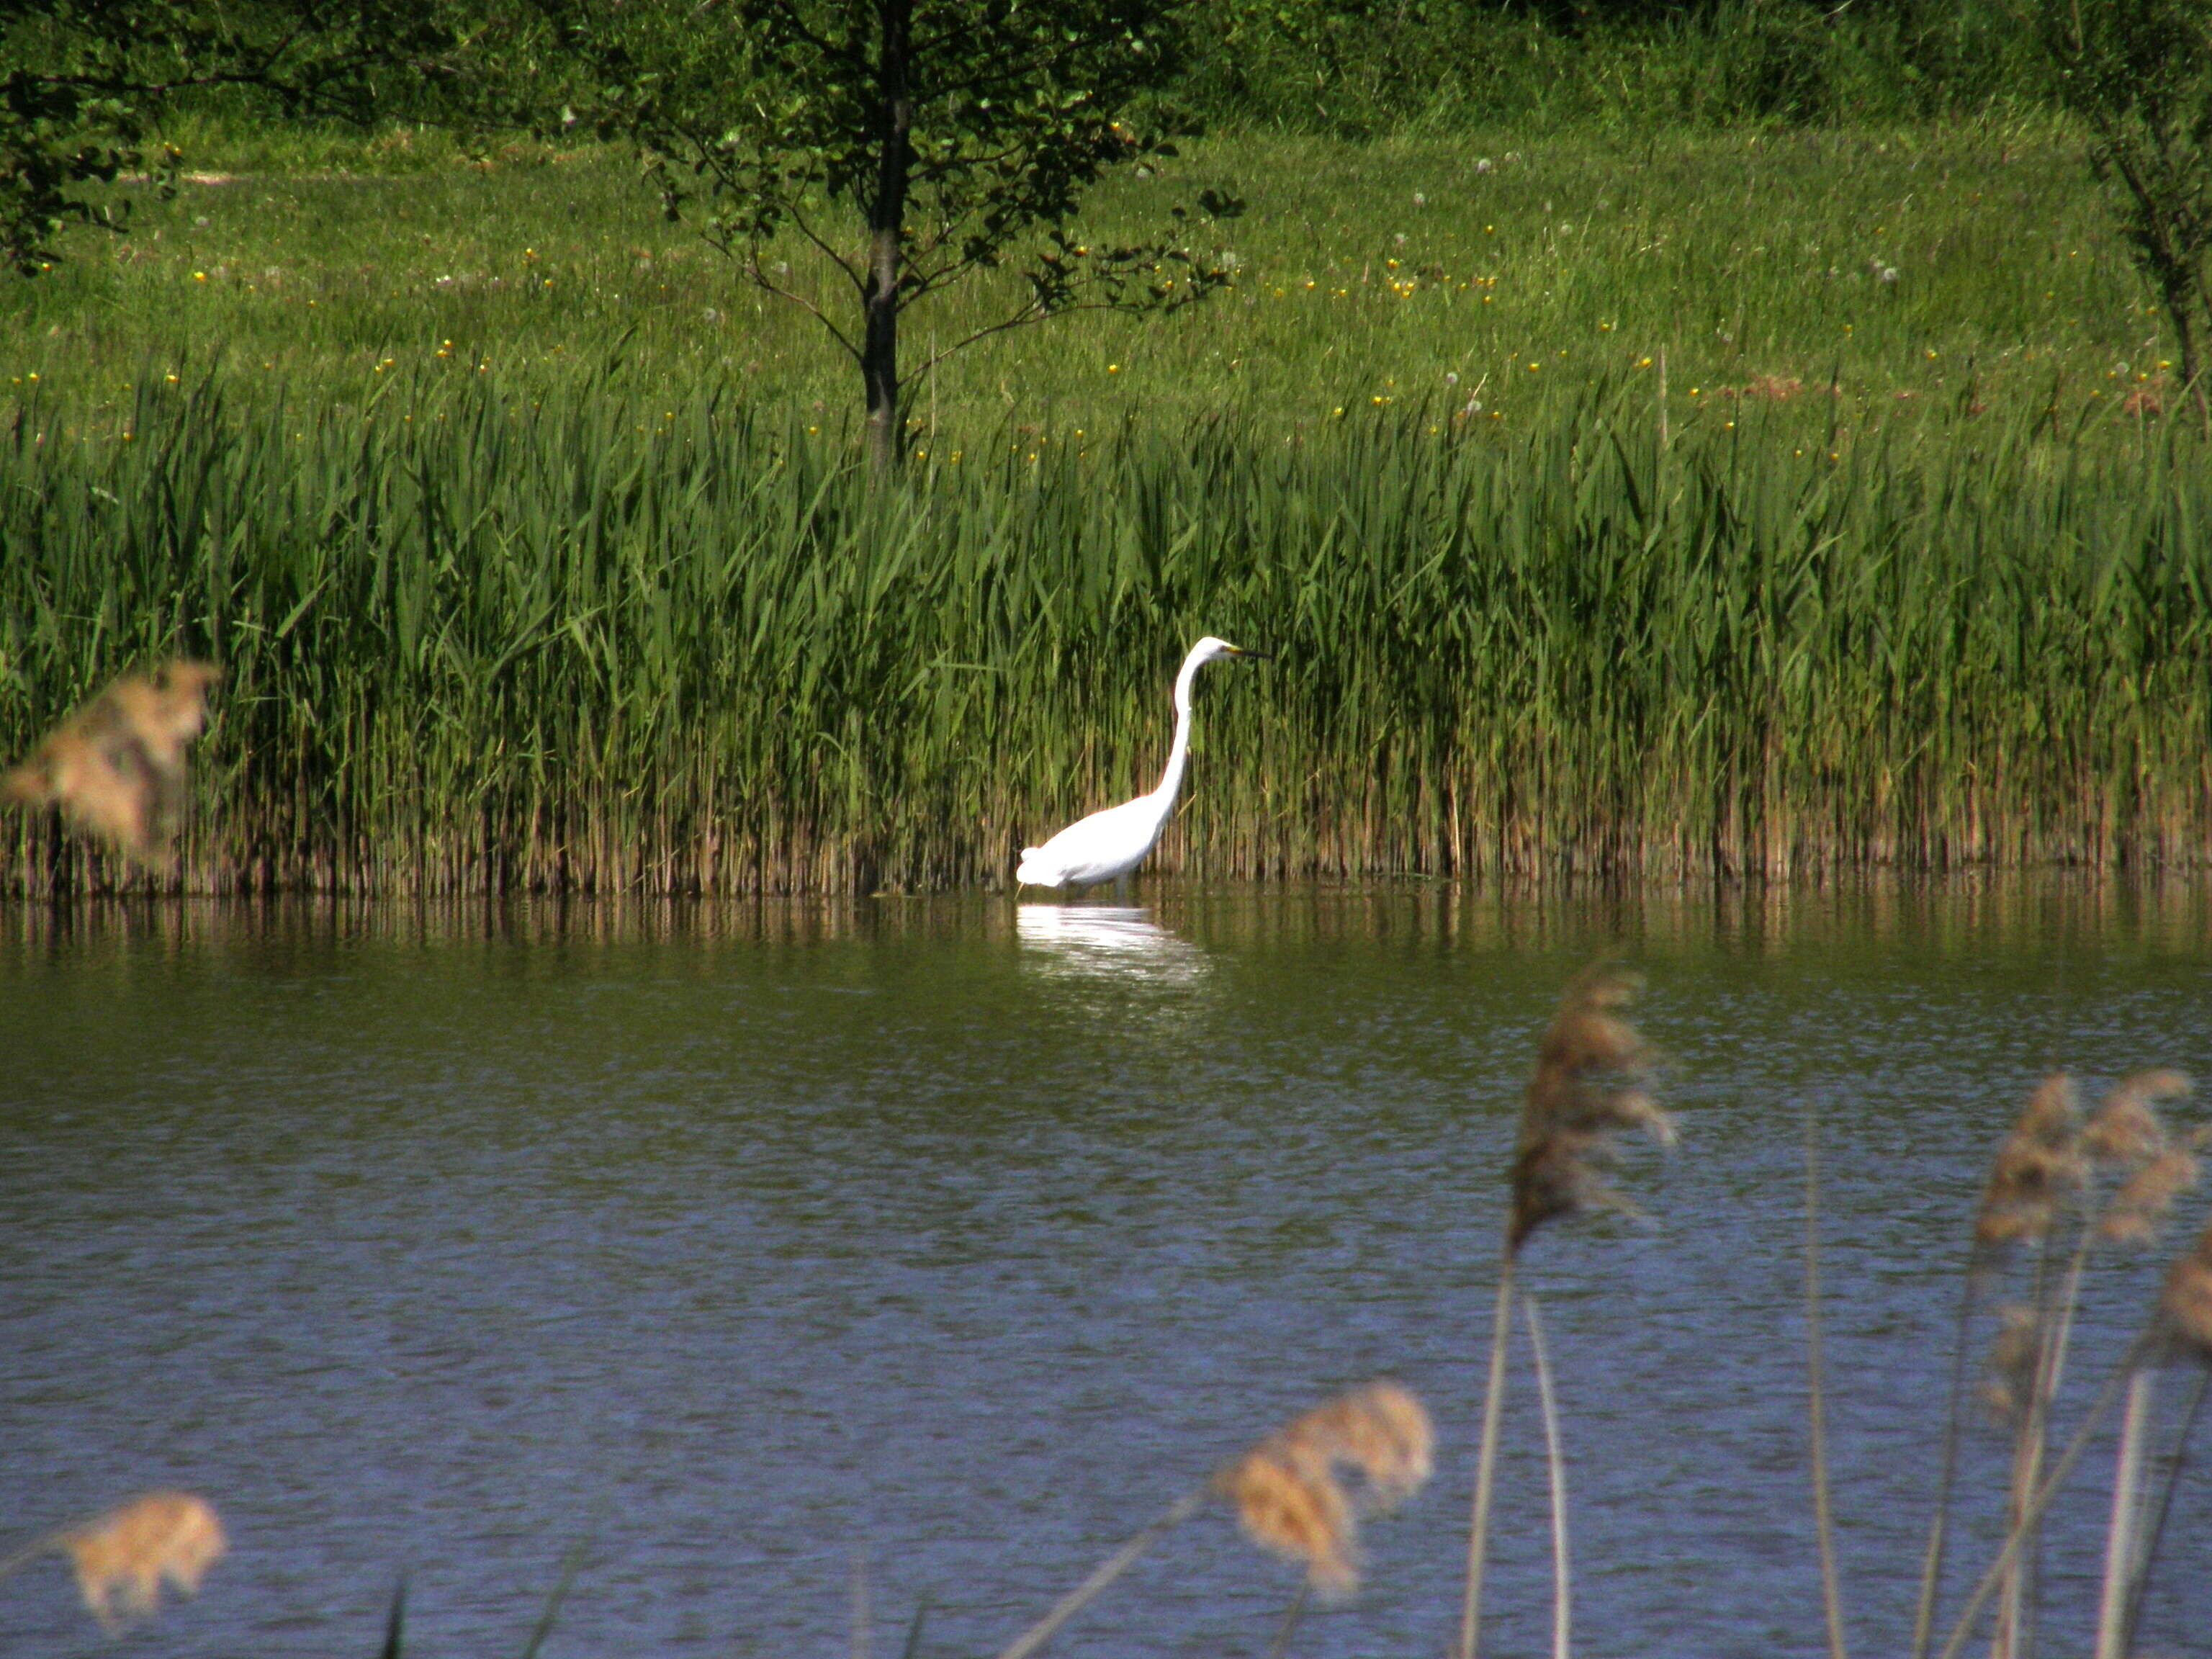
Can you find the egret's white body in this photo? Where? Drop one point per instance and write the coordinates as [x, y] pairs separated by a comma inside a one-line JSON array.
[[1107, 846]]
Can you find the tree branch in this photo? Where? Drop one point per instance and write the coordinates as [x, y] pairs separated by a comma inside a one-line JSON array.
[[759, 279], [787, 15], [860, 285]]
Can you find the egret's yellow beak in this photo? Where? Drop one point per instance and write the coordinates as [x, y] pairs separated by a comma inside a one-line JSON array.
[[1239, 651]]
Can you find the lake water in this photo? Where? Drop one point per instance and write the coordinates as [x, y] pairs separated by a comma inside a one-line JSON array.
[[753, 1253]]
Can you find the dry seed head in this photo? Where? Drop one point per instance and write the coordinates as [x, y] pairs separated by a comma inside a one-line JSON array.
[[122, 1557], [1380, 1429], [2039, 1164], [117, 765], [1297, 1511], [1557, 1175], [2133, 1216], [1591, 1066], [2125, 1128], [2012, 1359], [2187, 1301], [1285, 1489]]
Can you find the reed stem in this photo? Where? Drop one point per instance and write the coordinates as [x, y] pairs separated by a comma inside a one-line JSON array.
[[1556, 1463], [1103, 1575], [1291, 1615], [1990, 1580], [1931, 1567], [864, 1617], [2029, 1446], [2156, 1535], [12, 1564], [2122, 1532], [1493, 1405], [1832, 1598], [550, 1614]]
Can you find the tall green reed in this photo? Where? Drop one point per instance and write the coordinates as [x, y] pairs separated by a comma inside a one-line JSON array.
[[581, 636]]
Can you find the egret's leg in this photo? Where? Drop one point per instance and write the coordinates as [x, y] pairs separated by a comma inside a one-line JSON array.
[[1121, 889]]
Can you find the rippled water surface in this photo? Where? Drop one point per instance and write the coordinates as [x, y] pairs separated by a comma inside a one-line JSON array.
[[756, 1253]]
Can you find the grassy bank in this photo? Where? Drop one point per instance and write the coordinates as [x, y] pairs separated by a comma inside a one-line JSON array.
[[1680, 502], [1970, 265]]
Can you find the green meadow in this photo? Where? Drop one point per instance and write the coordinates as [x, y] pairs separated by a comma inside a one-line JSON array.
[[1929, 267], [1677, 500]]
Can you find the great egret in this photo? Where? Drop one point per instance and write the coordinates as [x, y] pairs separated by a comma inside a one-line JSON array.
[[1108, 845]]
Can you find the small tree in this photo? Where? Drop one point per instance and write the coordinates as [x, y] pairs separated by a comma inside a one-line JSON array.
[[84, 84], [961, 134], [2139, 74]]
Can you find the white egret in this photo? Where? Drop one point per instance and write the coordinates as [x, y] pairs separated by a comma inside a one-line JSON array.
[[1108, 845]]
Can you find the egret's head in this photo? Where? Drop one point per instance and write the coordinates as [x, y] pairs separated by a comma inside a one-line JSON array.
[[1034, 872], [1209, 647]]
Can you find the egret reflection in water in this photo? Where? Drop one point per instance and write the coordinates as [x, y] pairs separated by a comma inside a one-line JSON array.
[[1119, 941]]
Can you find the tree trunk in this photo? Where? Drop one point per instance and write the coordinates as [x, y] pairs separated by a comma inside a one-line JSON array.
[[2192, 377], [879, 299], [2183, 290]]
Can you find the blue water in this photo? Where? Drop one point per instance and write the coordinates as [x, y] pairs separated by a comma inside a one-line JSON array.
[[757, 1262]]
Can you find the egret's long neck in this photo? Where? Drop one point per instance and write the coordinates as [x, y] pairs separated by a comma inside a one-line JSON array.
[[1179, 752]]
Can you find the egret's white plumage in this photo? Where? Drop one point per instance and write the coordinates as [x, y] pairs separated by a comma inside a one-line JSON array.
[[1108, 845]]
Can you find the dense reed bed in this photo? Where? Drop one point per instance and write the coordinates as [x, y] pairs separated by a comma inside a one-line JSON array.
[[476, 638]]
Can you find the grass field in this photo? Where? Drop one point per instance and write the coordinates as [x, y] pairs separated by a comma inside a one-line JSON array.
[[1424, 271], [1611, 504]]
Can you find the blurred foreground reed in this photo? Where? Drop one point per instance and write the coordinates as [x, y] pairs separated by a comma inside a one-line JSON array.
[[116, 766], [1588, 1087], [123, 1557], [1287, 1495]]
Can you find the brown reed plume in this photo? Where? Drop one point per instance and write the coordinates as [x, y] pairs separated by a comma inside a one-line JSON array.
[[1288, 1497], [122, 1557], [2127, 1144], [2038, 1165], [2143, 1200], [2183, 1324], [2185, 1304], [2124, 1144], [2126, 1135], [1285, 1491], [2180, 1325], [2042, 1166], [1588, 1086], [2013, 1358], [1591, 1066], [116, 766]]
